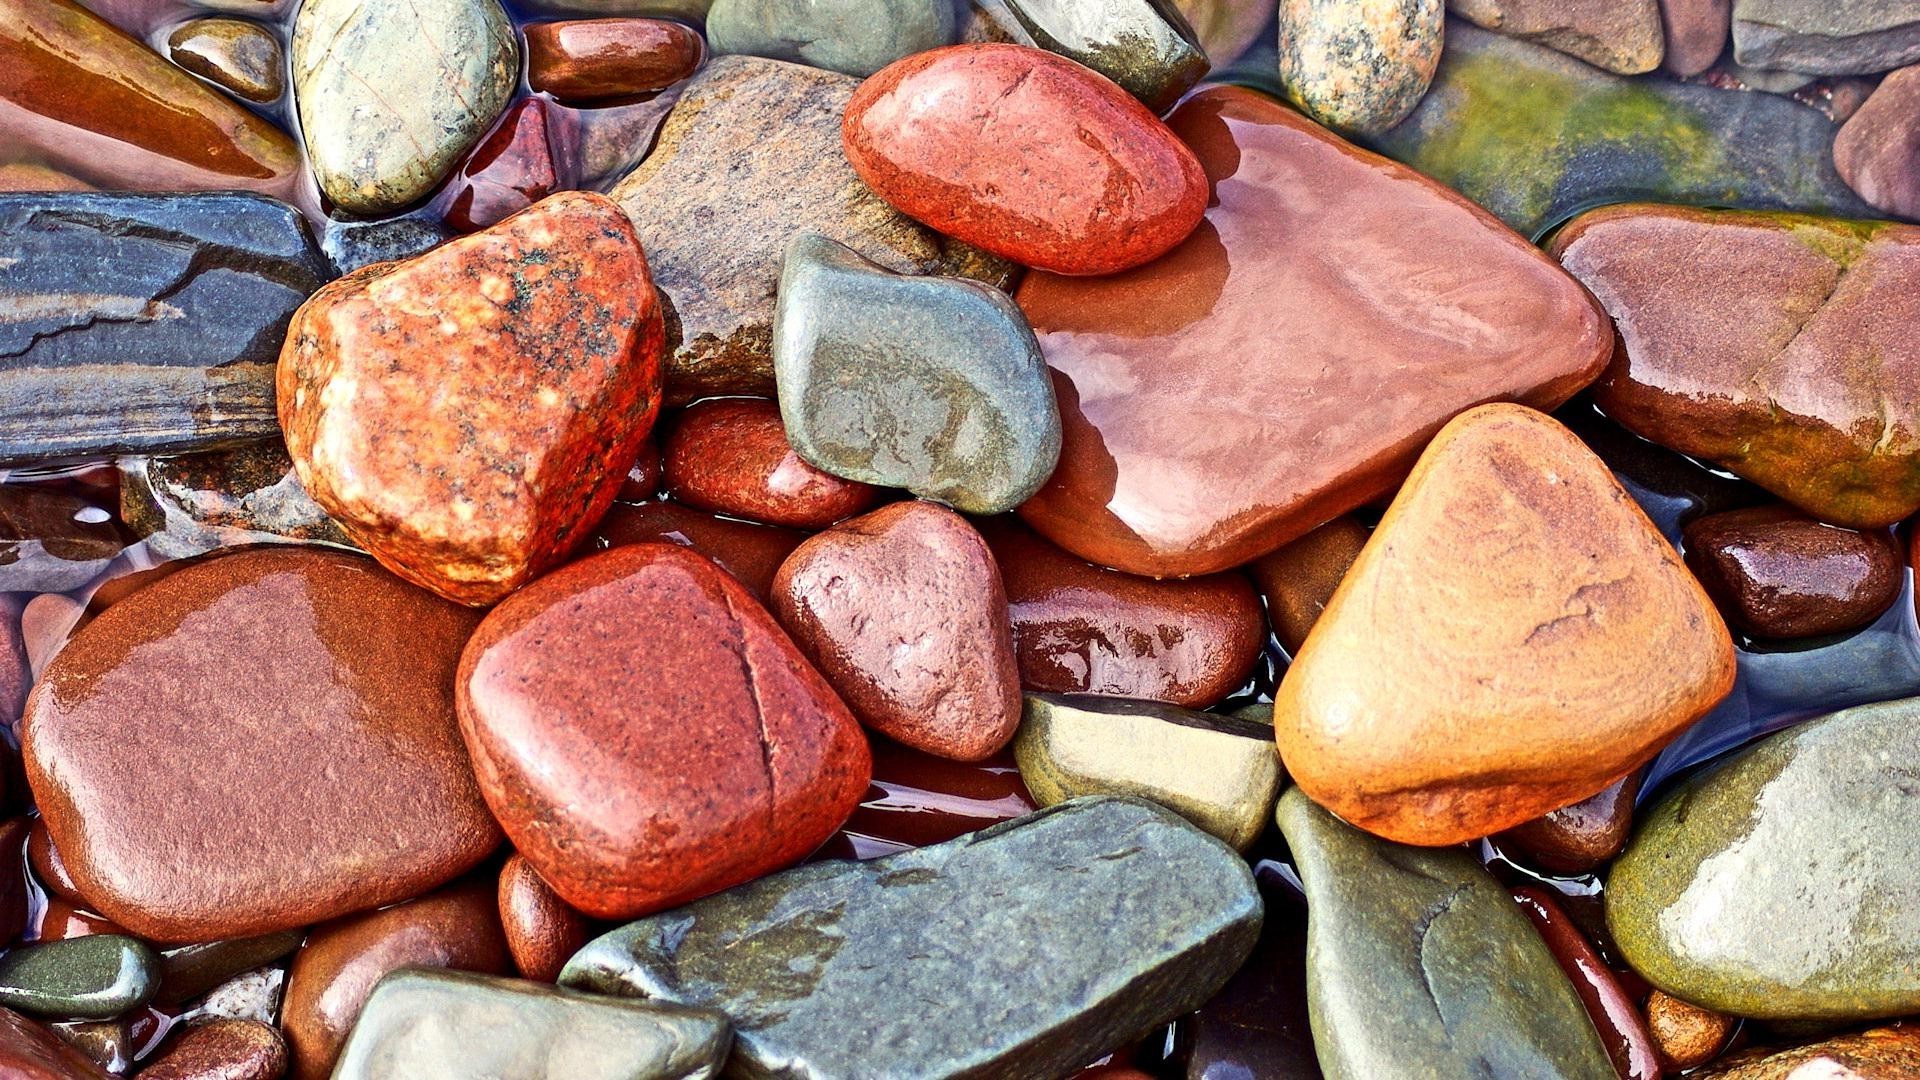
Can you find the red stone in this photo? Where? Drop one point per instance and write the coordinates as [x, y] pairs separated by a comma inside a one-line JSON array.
[[58, 920], [1615, 1015], [1288, 362], [48, 871], [643, 479], [646, 734], [1026, 154], [731, 456], [543, 933], [469, 414], [751, 553], [587, 59], [903, 612], [1084, 629], [917, 799], [513, 168], [29, 1051], [223, 1049]]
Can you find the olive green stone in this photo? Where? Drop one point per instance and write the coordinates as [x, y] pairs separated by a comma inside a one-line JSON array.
[[453, 1025], [931, 384], [1359, 66], [96, 977], [188, 971], [195, 503], [239, 55], [1144, 45], [853, 37], [1219, 772], [1016, 953], [1781, 884], [1420, 966]]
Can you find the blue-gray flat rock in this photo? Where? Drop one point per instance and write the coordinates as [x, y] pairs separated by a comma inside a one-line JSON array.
[[1016, 953], [1827, 37], [852, 37]]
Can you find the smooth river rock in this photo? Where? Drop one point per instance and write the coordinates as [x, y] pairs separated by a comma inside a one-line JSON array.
[[1696, 33], [1421, 967], [240, 55], [1808, 380], [1515, 637], [1298, 579], [222, 1049], [1878, 149], [542, 930], [135, 323], [299, 706], [1359, 66], [1238, 392], [852, 37], [392, 98], [1705, 908], [1826, 37], [1145, 46], [752, 553], [589, 59], [53, 540], [451, 1025], [1622, 36], [1776, 573], [1890, 1053], [732, 456], [828, 971], [95, 977]]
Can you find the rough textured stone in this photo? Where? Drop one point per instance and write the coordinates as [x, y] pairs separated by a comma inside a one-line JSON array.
[[95, 977], [29, 1051], [1696, 33], [1219, 772], [1537, 136], [1878, 149], [1623, 36], [25, 176], [1212, 402], [1145, 46], [1776, 573], [1703, 905], [620, 804], [143, 323], [766, 133], [239, 55], [731, 456], [1515, 637], [223, 1049], [1299, 578], [444, 1025], [590, 59], [1826, 38], [1419, 965], [853, 37], [298, 705], [468, 416], [542, 931], [751, 553], [391, 99], [87, 98], [1027, 155], [903, 611], [931, 384], [252, 995], [809, 963], [1359, 66], [1889, 1053], [1577, 839], [188, 505], [52, 540], [1805, 383], [1687, 1035]]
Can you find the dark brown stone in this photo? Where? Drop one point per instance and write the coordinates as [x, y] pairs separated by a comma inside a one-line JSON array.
[[751, 553], [52, 540], [29, 1051], [731, 456], [242, 56], [224, 1049], [525, 160], [543, 932], [1576, 839], [13, 879], [917, 799], [588, 59], [1299, 578], [1776, 573]]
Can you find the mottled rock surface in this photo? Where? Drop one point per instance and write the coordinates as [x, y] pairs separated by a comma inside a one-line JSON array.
[[224, 1049], [1892, 1053], [1146, 46], [1359, 66]]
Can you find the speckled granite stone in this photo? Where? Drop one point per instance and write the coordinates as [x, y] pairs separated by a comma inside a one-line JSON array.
[[1359, 66]]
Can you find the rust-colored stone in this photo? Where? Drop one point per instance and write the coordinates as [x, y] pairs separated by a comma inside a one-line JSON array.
[[1686, 1035], [751, 553], [731, 456], [522, 162], [1578, 838], [223, 1049], [1299, 578], [29, 1051], [588, 59], [1889, 1053], [543, 933]]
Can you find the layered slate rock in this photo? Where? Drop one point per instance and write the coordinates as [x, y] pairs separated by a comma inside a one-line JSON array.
[[1145, 46], [300, 704], [766, 133], [1515, 637], [457, 1026], [856, 38], [193, 503], [1703, 905], [1238, 392], [467, 416], [391, 98], [1776, 573], [1825, 38], [931, 384], [1536, 136], [139, 323], [1359, 65], [1623, 36], [80, 94], [621, 804], [1219, 772], [1808, 380], [809, 963], [1420, 965]]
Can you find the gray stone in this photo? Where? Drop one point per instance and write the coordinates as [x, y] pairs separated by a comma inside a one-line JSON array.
[[931, 384], [853, 37], [96, 977], [184, 506], [453, 1025], [250, 995], [133, 323], [1018, 952], [1421, 967], [1144, 45], [1827, 37], [1623, 36], [1780, 884], [392, 96], [350, 245], [1359, 66]]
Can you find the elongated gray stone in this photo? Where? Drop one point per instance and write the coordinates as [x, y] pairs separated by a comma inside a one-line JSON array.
[[96, 977], [1827, 37], [1421, 967], [1017, 952], [144, 323], [454, 1025]]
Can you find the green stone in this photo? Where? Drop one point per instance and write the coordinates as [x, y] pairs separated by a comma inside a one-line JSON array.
[[1420, 966], [1144, 45], [453, 1025], [1021, 951], [96, 977], [931, 384], [853, 37], [188, 971], [1781, 883], [1219, 772]]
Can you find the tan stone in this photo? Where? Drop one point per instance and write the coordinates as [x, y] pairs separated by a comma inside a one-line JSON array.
[[1625, 36]]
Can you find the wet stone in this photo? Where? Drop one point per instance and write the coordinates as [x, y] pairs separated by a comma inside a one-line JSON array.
[[1776, 573], [28, 1051], [1892, 1053], [95, 977], [194, 503], [1225, 28], [542, 930], [1359, 66], [1826, 38], [731, 456], [1299, 578], [148, 323], [188, 971], [1219, 772], [1878, 149], [527, 158], [109, 1043], [1146, 46], [1696, 33], [222, 1050], [1257, 1025], [1686, 1035], [241, 56], [15, 835], [48, 871], [1423, 965], [917, 799], [1577, 839], [589, 59], [446, 1025], [52, 541], [350, 245], [751, 553], [1622, 36], [931, 384], [807, 962], [852, 37]]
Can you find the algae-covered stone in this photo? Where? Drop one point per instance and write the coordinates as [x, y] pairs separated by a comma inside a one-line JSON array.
[[1421, 967], [1706, 905], [1024, 950], [1359, 66], [1219, 772], [853, 37], [1144, 45]]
